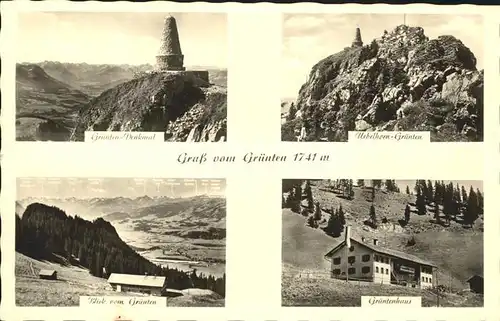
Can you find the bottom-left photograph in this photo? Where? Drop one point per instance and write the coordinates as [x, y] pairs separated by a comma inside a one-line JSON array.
[[83, 239]]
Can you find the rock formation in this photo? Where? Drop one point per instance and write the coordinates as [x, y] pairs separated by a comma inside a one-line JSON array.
[[182, 103], [401, 81]]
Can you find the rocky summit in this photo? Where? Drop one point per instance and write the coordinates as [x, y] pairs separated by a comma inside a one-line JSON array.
[[401, 81], [181, 104]]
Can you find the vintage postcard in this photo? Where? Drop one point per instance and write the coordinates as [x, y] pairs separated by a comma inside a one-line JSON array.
[[149, 219], [86, 239], [149, 76], [347, 242], [378, 73]]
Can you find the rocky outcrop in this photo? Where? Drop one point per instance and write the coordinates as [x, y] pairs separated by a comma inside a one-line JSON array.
[[400, 81], [170, 102]]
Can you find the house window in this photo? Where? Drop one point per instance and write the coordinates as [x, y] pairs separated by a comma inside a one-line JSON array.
[[336, 271], [376, 269], [351, 248], [430, 280], [351, 271], [365, 269], [336, 261], [386, 271], [365, 258], [351, 259], [376, 258]]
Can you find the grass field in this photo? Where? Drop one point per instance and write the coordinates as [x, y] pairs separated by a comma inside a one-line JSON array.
[[74, 282], [332, 292]]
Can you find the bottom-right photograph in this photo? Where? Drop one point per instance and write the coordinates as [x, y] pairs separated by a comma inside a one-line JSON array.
[[359, 242]]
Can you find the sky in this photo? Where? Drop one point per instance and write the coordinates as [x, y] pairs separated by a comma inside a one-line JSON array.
[[117, 187], [308, 38], [119, 37]]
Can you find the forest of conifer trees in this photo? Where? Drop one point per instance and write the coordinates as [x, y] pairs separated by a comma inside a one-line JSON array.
[[448, 202], [46, 230]]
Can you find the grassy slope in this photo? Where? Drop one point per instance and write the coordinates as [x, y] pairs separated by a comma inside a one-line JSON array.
[[331, 292], [303, 246], [458, 252], [38, 94], [74, 282]]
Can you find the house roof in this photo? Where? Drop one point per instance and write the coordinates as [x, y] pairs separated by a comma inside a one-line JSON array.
[[47, 272], [133, 279], [383, 250], [475, 276]]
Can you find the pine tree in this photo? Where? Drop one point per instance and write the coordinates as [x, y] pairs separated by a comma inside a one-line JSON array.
[[471, 212], [317, 212], [341, 215], [407, 190], [448, 205], [296, 199], [311, 222], [437, 197], [480, 201], [373, 216], [309, 196], [334, 228], [388, 185], [417, 186], [377, 183], [464, 196], [420, 203], [407, 213], [430, 192], [291, 112], [361, 182]]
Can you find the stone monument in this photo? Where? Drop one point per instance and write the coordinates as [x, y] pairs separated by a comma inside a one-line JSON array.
[[357, 39], [170, 58]]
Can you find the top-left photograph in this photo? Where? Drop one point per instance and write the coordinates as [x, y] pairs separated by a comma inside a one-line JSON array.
[[82, 74]]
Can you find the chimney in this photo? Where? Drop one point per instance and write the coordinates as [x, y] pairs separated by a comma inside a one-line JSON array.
[[348, 236], [375, 241]]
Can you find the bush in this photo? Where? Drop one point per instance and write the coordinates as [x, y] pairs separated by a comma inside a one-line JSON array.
[[411, 241]]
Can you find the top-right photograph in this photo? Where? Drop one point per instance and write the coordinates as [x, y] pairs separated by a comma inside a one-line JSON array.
[[346, 73]]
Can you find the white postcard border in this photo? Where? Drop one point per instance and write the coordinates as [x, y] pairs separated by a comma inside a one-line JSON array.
[[253, 125]]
